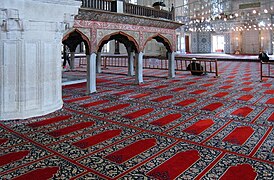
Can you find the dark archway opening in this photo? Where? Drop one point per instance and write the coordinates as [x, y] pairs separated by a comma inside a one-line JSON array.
[[73, 42], [157, 53], [112, 60]]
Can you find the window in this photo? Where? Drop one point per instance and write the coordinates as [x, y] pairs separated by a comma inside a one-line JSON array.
[[218, 43], [133, 1]]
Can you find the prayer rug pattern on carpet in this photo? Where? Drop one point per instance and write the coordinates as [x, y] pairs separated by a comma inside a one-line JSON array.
[[189, 127]]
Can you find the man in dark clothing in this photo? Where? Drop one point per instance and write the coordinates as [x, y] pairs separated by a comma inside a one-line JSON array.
[[263, 56], [66, 57], [195, 68]]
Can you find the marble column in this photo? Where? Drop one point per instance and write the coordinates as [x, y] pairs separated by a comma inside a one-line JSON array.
[[139, 67], [130, 64], [99, 63], [171, 64], [91, 73], [30, 56], [72, 60]]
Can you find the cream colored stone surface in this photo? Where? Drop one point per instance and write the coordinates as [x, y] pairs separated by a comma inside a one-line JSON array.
[[30, 59]]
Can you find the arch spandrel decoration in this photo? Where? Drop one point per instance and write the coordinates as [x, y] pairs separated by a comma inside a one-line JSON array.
[[101, 33], [83, 35], [96, 27], [125, 37]]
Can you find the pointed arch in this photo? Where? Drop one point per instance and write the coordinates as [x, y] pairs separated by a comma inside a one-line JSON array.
[[122, 37], [75, 37], [162, 39]]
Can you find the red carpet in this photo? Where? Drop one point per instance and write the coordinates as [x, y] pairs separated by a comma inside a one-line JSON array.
[[239, 135], [243, 112], [247, 89], [2, 141], [66, 96], [123, 92], [269, 92], [175, 165], [76, 99], [267, 85], [198, 92], [162, 98], [132, 150], [114, 108], [221, 94], [186, 102], [240, 171], [14, 156], [188, 127], [94, 103], [166, 120], [178, 89], [229, 81], [43, 174], [101, 80], [270, 101], [49, 121], [161, 87], [213, 106], [73, 86], [190, 83], [140, 95], [271, 117], [69, 129], [200, 126], [85, 143], [226, 87], [139, 113], [245, 97], [247, 83], [207, 85]]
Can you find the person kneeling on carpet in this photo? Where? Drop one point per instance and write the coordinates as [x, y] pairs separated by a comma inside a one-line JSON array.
[[195, 68]]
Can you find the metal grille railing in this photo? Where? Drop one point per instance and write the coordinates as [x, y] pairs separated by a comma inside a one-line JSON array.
[[267, 70], [209, 66], [155, 62]]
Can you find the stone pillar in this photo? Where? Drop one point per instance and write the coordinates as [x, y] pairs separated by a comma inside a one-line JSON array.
[[130, 64], [30, 56], [171, 64], [91, 73], [117, 47], [98, 63], [72, 60], [120, 6], [139, 67]]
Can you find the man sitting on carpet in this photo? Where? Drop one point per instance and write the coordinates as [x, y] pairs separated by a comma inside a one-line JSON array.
[[195, 68], [263, 56]]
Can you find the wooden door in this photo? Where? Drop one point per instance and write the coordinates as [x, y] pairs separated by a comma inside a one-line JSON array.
[[187, 44]]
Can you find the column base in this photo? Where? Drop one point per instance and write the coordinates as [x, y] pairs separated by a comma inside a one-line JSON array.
[[30, 113]]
